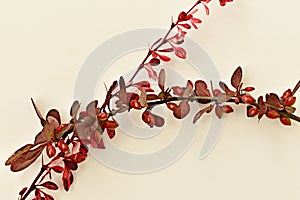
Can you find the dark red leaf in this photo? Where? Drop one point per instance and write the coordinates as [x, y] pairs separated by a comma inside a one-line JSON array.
[[262, 107], [201, 89], [273, 100], [58, 169], [154, 62], [26, 159], [167, 50], [19, 152], [53, 116], [46, 134], [40, 116], [48, 196], [162, 79], [50, 185], [225, 88], [22, 192], [182, 110], [201, 112], [219, 112], [164, 58], [67, 179], [71, 164], [237, 78], [187, 26]]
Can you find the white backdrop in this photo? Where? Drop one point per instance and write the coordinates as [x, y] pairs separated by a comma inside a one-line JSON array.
[[44, 44]]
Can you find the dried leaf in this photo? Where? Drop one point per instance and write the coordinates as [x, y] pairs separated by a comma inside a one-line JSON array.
[[237, 78], [143, 99], [40, 116], [67, 179], [74, 108], [50, 185], [151, 97], [162, 79], [219, 112], [17, 153], [122, 92], [26, 159]]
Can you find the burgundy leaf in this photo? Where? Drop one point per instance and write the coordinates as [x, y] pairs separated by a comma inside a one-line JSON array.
[[164, 58], [22, 192], [162, 79], [48, 196], [167, 50], [225, 88], [26, 159], [262, 107], [58, 169], [201, 89], [182, 110], [151, 72], [201, 112], [50, 185], [237, 78], [19, 152], [45, 135], [154, 62], [67, 179], [53, 117], [219, 112], [43, 121], [71, 164], [273, 100], [122, 92], [74, 108], [180, 52]]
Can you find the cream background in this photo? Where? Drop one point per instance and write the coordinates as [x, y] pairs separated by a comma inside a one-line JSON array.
[[43, 45]]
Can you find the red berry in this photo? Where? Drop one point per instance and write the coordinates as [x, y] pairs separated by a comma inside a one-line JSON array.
[[216, 92], [102, 116], [227, 109], [236, 101], [62, 146], [60, 128], [148, 118], [135, 104], [253, 111], [111, 125], [51, 151], [249, 89], [285, 121], [290, 101], [172, 106], [272, 114], [286, 94], [248, 99], [178, 90]]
